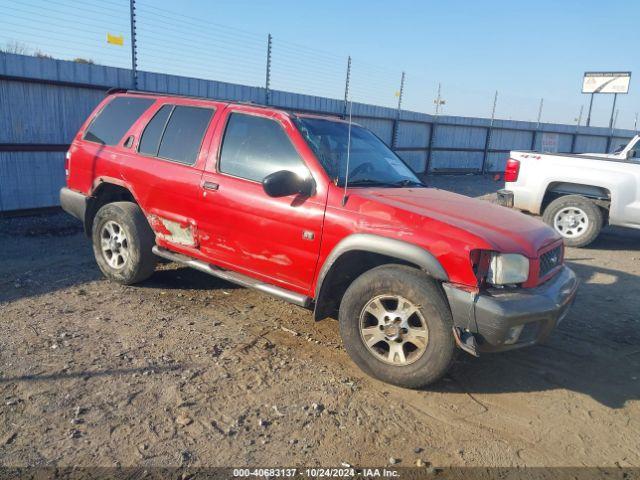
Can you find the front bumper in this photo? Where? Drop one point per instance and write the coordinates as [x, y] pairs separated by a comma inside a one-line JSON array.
[[502, 319], [505, 198]]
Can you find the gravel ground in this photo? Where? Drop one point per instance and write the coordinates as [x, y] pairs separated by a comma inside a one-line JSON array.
[[187, 370]]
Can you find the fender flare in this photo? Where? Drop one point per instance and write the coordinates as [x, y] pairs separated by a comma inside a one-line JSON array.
[[97, 185], [385, 246]]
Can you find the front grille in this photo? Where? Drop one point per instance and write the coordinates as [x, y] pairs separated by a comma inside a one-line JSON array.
[[550, 260]]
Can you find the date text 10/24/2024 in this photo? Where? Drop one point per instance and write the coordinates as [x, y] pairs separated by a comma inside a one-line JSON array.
[[315, 472]]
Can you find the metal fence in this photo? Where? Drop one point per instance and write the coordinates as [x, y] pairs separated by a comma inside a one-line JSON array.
[[43, 102], [141, 35]]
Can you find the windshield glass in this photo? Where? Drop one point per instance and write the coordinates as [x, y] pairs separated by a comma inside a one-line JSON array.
[[371, 161]]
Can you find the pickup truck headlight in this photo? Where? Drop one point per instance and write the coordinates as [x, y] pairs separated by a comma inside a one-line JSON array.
[[507, 269]]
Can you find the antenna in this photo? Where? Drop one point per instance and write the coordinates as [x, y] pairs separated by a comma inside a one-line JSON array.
[[346, 175]]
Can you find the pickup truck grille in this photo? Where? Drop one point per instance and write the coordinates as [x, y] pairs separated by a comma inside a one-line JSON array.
[[550, 260]]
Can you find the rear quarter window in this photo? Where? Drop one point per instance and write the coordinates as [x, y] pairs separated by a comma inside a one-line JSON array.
[[183, 134], [110, 125], [150, 140]]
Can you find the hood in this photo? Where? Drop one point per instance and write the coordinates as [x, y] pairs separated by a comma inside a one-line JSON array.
[[505, 229]]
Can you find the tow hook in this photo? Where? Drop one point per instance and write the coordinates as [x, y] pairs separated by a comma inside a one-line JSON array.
[[466, 341]]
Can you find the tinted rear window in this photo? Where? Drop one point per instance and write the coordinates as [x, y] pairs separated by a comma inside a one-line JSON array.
[[183, 134], [150, 140], [115, 119]]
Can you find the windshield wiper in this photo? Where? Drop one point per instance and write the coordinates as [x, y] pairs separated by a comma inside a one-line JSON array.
[[408, 183], [363, 182]]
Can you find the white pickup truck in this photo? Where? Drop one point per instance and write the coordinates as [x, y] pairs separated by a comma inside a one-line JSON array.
[[576, 194]]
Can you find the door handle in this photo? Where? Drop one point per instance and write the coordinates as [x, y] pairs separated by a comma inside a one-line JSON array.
[[210, 185]]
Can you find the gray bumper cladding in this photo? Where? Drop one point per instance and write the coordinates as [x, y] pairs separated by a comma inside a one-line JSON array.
[[73, 203], [510, 318]]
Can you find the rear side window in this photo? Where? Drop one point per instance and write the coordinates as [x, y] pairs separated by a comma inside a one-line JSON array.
[[253, 147], [176, 133], [150, 140], [115, 119]]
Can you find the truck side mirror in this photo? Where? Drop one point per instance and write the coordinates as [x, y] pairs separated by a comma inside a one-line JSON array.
[[284, 183]]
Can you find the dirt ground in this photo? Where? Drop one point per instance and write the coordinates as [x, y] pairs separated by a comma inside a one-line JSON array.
[[186, 369]]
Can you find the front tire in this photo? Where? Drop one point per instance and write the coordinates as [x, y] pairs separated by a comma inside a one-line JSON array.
[[396, 326], [576, 218], [122, 243]]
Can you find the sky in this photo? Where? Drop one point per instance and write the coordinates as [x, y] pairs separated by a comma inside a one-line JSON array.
[[526, 51]]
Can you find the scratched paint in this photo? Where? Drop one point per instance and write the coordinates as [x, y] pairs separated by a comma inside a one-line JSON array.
[[174, 232]]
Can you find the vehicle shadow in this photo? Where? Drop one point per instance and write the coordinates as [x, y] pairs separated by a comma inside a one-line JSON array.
[[595, 351], [616, 238], [185, 278]]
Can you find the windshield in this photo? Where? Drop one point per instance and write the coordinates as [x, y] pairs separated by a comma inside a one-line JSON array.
[[371, 162]]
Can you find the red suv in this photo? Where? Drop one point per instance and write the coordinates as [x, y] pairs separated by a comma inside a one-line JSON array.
[[261, 197]]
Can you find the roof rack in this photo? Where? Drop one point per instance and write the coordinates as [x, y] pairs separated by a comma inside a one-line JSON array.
[[295, 111], [179, 95]]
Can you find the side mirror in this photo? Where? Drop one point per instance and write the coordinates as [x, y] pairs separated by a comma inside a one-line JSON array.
[[284, 183], [631, 154]]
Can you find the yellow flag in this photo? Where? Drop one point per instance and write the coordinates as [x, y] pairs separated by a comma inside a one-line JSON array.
[[115, 39]]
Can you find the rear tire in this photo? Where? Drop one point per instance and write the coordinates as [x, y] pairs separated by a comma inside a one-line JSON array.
[[386, 341], [122, 243], [576, 218]]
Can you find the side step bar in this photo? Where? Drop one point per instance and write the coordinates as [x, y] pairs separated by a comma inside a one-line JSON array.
[[233, 277]]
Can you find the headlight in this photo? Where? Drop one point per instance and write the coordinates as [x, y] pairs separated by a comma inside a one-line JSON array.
[[508, 268]]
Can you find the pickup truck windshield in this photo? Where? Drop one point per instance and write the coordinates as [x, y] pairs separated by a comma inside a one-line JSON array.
[[371, 162]]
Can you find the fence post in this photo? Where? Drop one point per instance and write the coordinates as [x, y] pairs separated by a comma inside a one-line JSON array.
[[267, 83], [574, 137], [540, 113], [580, 116], [432, 134], [134, 52], [394, 138], [534, 137], [346, 87], [432, 131], [487, 141]]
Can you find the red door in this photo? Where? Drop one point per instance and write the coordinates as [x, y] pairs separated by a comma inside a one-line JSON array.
[[165, 165], [273, 239]]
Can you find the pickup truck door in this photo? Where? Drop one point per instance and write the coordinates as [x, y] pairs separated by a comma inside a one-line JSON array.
[[276, 240]]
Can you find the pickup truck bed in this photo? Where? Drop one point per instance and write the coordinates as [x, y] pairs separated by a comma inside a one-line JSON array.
[[576, 193]]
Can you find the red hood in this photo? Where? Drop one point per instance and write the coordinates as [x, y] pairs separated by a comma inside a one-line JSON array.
[[505, 229]]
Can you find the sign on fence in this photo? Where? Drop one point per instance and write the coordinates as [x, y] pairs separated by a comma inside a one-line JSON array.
[[550, 142], [606, 82]]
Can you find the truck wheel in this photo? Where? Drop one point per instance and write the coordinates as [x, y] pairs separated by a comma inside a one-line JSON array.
[[576, 218], [122, 242], [396, 325]]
